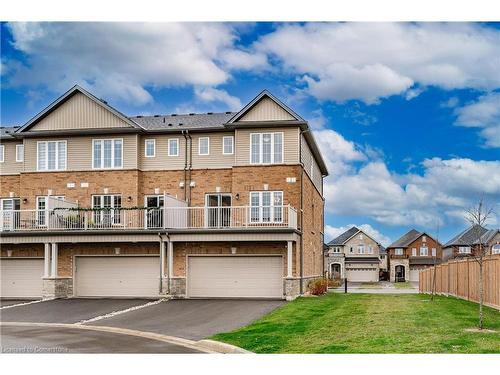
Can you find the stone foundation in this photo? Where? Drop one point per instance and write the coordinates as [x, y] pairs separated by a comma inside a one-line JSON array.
[[57, 288], [292, 288], [178, 287]]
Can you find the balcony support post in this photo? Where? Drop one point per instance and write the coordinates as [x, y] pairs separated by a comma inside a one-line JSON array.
[[46, 261], [53, 270], [289, 258], [163, 253], [170, 258]]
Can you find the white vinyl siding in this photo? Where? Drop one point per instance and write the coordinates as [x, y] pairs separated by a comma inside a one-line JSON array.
[[2, 153], [204, 146], [266, 206], [51, 156], [19, 153], [149, 148], [107, 153], [173, 147], [228, 145], [266, 148]]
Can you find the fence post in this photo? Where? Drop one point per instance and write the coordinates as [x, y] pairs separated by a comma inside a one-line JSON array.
[[468, 281]]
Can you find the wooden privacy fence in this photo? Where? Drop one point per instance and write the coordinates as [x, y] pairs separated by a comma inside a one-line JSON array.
[[460, 278]]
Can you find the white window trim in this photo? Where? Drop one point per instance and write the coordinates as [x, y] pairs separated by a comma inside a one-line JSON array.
[[413, 251], [464, 250], [434, 252], [232, 145], [169, 153], [495, 249], [47, 156], [261, 145], [2, 153], [112, 153], [260, 206], [208, 146], [17, 154], [361, 249], [146, 148], [426, 252], [398, 251]]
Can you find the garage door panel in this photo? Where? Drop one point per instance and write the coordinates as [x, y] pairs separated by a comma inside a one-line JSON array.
[[117, 276], [227, 277], [21, 278], [414, 274], [362, 275]]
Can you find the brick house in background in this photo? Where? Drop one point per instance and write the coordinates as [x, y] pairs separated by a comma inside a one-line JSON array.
[[96, 203], [411, 253], [353, 255], [466, 242]]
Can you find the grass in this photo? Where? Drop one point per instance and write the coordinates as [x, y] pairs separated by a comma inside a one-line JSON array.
[[405, 285], [370, 323]]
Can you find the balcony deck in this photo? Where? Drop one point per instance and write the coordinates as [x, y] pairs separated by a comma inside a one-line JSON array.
[[148, 219]]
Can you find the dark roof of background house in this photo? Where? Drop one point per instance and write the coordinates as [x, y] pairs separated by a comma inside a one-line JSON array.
[[6, 131], [406, 239], [488, 236], [343, 237], [467, 237], [184, 121], [382, 250]]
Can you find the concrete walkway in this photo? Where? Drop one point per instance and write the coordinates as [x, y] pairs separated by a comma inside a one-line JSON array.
[[382, 287]]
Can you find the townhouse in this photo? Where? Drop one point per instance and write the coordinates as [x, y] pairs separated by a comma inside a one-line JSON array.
[[411, 253], [95, 203], [353, 255]]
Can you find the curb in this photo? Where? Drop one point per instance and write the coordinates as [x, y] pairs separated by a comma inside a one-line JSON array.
[[221, 347]]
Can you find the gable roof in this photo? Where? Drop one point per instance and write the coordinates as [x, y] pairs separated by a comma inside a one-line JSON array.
[[185, 121], [63, 98], [7, 131], [256, 100], [406, 239], [342, 238], [487, 236], [467, 237]]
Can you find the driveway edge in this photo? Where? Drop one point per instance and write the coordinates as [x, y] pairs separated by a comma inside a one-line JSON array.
[[222, 347]]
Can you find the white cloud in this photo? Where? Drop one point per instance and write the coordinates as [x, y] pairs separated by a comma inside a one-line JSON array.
[[484, 113], [369, 61], [210, 94], [123, 60], [332, 232]]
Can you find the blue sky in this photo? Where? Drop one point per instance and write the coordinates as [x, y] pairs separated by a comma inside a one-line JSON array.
[[407, 115]]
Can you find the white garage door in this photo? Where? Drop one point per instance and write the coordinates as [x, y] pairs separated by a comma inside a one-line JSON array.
[[120, 276], [414, 274], [235, 276], [362, 274], [21, 278]]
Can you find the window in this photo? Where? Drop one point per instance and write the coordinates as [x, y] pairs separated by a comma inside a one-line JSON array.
[[2, 150], [204, 146], [464, 249], [433, 251], [107, 153], [361, 249], [42, 204], [398, 251], [149, 148], [173, 147], [370, 249], [11, 216], [424, 238], [51, 156], [495, 249], [228, 145], [414, 252], [351, 250], [424, 251], [108, 209], [266, 207], [266, 148], [336, 249], [19, 153]]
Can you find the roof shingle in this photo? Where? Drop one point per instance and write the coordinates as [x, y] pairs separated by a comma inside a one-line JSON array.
[[406, 239], [343, 237]]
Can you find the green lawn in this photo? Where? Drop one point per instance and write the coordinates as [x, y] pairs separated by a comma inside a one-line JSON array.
[[370, 323]]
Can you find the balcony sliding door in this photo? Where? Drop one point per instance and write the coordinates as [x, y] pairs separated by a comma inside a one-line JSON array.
[[218, 210]]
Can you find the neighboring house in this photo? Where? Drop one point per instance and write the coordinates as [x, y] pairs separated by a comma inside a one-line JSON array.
[[95, 203], [411, 253], [383, 258], [462, 245], [491, 239], [353, 255]]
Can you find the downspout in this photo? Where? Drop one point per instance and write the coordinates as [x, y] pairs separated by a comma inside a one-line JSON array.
[[190, 164], [185, 163], [301, 214], [162, 265]]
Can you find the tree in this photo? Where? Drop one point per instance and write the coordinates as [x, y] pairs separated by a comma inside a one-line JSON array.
[[477, 216]]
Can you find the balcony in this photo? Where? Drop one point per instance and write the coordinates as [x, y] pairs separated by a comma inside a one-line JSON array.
[[120, 219]]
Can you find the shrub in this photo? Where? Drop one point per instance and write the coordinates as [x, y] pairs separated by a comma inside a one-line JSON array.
[[335, 283], [318, 286]]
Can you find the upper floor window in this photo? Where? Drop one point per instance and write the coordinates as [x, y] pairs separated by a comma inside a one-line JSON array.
[[361, 249], [19, 153], [228, 145], [266, 206], [414, 252], [173, 147], [149, 148], [370, 249], [424, 238], [495, 249], [107, 153], [2, 150], [336, 249], [266, 148], [398, 251], [424, 251], [464, 249], [204, 146], [433, 251], [51, 155]]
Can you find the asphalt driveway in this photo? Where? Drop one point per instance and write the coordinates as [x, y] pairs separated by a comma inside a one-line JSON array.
[[10, 302], [66, 310], [193, 319]]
